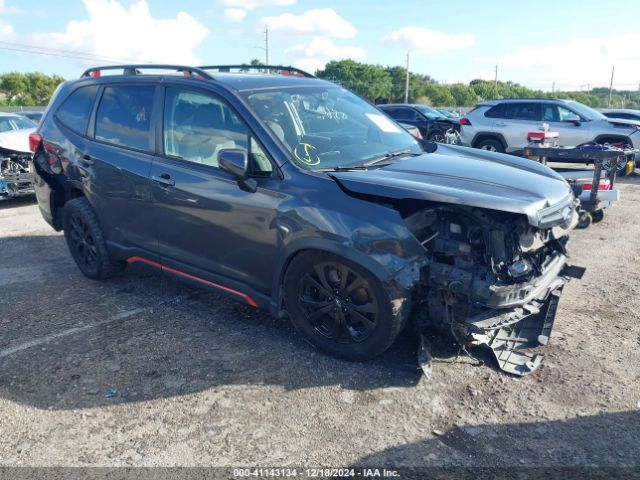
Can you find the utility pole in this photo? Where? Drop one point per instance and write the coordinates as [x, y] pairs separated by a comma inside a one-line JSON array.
[[406, 81], [495, 85], [613, 69], [266, 43], [553, 87]]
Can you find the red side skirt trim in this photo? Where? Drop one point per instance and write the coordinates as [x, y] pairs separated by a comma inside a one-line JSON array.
[[244, 296]]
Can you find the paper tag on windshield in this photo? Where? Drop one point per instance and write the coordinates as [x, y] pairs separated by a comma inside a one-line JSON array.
[[383, 123]]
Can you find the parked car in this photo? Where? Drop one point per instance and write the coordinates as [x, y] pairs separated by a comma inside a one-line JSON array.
[[448, 113], [16, 178], [626, 114], [292, 194], [502, 125], [431, 123], [33, 115], [415, 131]]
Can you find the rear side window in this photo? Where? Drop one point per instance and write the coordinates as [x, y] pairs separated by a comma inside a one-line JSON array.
[[124, 116], [76, 110], [522, 111], [496, 111]]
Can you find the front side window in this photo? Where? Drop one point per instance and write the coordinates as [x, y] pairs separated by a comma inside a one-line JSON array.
[[124, 116], [405, 114], [76, 110], [324, 127], [197, 126]]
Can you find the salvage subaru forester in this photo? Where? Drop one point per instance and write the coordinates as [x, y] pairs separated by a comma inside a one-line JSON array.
[[290, 193]]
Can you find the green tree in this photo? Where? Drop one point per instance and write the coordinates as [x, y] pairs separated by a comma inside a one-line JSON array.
[[439, 95], [29, 89], [372, 82], [464, 96]]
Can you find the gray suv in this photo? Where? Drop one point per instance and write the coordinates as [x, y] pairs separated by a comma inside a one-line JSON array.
[[502, 125]]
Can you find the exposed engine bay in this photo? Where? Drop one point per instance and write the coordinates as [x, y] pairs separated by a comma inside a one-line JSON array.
[[16, 175], [492, 279]]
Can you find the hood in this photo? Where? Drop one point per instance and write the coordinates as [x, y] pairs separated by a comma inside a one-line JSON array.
[[623, 122], [471, 177], [16, 140]]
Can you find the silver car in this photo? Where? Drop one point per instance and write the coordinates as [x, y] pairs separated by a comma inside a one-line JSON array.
[[502, 125]]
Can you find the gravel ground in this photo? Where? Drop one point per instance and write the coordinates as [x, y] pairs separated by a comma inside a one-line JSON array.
[[144, 371]]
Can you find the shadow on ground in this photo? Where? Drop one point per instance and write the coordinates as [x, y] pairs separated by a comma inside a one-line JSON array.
[[63, 344], [579, 445]]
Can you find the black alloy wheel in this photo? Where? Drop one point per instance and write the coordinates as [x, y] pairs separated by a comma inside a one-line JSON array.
[[338, 303]]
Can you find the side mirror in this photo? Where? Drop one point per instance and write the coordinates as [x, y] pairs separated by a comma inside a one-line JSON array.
[[575, 119], [235, 162]]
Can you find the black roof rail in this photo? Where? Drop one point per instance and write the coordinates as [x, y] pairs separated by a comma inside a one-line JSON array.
[[282, 69], [134, 70]]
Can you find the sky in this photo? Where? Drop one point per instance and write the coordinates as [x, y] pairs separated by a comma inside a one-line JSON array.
[[569, 44]]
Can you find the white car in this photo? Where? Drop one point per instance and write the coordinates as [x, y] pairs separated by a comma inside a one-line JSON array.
[[16, 177], [503, 125]]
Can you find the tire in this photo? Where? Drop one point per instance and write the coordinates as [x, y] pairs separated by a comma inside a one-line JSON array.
[[351, 319], [584, 220], [490, 144], [437, 136], [597, 216], [86, 241]]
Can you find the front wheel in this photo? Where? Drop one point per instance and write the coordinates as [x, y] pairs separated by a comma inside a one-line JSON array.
[[340, 307], [437, 137]]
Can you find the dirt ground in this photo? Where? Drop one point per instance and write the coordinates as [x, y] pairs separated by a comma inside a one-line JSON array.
[[144, 371]]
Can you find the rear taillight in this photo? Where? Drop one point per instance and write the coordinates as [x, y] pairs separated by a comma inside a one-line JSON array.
[[604, 185], [465, 121], [35, 140]]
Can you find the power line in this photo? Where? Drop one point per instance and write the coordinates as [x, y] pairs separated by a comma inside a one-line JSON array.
[[57, 52]]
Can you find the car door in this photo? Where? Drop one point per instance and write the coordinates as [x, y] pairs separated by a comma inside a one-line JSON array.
[[515, 120], [115, 166], [206, 224], [562, 120]]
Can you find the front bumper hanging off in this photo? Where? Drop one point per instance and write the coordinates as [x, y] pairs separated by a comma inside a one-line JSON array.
[[513, 333]]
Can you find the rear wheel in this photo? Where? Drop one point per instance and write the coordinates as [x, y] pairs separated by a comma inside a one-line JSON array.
[[490, 144], [86, 241], [340, 307]]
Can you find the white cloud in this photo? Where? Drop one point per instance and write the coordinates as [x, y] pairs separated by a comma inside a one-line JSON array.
[[6, 9], [319, 21], [6, 29], [235, 14], [572, 64], [240, 8], [253, 4], [427, 40], [320, 50], [115, 32]]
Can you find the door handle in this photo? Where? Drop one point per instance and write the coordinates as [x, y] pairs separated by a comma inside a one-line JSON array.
[[501, 124], [86, 160], [164, 179]]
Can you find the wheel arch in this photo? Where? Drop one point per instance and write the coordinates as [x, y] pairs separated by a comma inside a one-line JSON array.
[[480, 136], [323, 245]]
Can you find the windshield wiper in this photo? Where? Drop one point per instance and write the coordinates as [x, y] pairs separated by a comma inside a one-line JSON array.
[[389, 156], [342, 169]]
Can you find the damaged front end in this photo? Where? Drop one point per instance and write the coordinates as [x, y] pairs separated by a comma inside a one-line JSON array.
[[16, 174], [492, 278]]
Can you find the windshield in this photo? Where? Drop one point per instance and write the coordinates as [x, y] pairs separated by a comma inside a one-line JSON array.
[[22, 122], [428, 111], [585, 112], [447, 113], [329, 127]]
